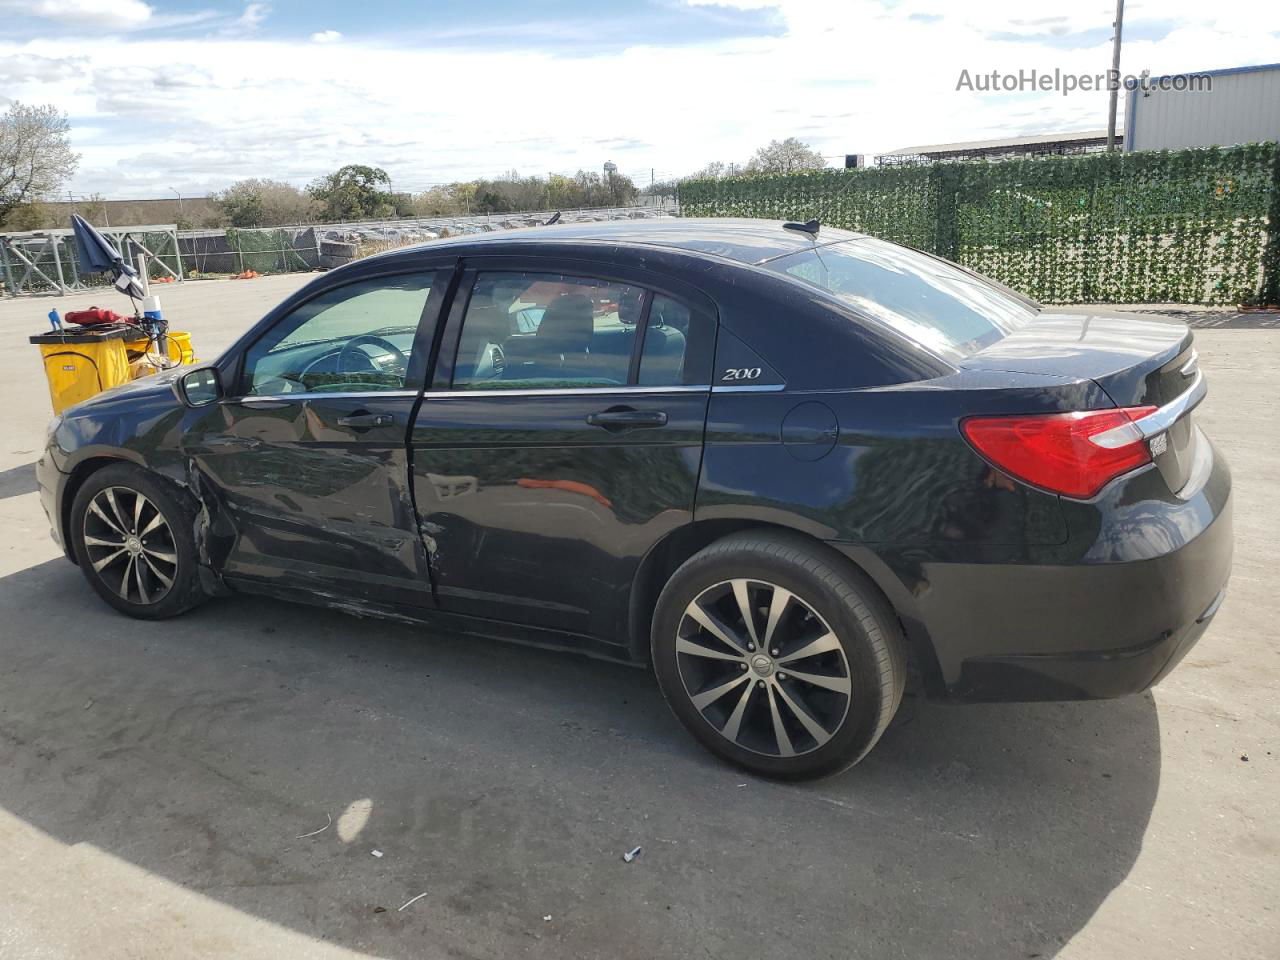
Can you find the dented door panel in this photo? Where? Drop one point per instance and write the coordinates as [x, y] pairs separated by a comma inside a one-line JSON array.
[[310, 498]]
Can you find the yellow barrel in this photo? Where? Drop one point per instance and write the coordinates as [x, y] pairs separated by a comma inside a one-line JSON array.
[[180, 348]]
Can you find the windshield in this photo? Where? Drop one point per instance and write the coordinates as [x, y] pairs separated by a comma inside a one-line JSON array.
[[942, 307]]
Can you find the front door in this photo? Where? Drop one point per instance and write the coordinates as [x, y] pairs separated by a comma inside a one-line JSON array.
[[561, 439], [308, 449]]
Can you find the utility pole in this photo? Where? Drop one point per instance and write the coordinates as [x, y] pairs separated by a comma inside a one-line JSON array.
[[1114, 77]]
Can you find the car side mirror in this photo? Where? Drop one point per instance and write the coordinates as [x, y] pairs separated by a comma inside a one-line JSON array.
[[199, 387]]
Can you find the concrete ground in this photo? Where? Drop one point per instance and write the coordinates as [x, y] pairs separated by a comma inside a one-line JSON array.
[[156, 780]]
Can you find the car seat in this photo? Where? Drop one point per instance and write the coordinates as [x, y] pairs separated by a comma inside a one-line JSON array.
[[480, 350]]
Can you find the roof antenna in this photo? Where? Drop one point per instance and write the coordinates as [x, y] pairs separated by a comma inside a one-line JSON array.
[[555, 218], [810, 227]]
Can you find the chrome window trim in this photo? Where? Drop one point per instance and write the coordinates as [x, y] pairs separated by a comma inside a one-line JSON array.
[[563, 391], [252, 398], [750, 388]]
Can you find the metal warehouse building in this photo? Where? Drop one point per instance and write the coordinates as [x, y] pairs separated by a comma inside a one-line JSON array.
[[1240, 105]]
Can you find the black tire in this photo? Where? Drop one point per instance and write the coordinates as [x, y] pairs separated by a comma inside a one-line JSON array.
[[146, 596], [836, 602]]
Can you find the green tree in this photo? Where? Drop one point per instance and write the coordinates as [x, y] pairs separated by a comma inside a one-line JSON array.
[[717, 170], [785, 156], [401, 204], [663, 189], [30, 216], [35, 155], [263, 203], [489, 200], [464, 195], [621, 190], [562, 192], [355, 192], [93, 208], [438, 202], [511, 192]]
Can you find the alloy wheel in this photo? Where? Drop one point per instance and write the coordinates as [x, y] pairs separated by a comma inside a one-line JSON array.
[[129, 545], [763, 668]]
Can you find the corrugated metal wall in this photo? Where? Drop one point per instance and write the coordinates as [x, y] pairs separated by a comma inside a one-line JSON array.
[[1243, 106]]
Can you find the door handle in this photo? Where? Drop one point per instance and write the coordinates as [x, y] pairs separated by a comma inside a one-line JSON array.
[[366, 420], [622, 418]]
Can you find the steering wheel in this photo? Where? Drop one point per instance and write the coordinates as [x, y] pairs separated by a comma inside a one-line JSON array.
[[350, 350]]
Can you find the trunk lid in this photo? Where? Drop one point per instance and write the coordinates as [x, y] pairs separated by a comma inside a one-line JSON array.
[[1137, 361]]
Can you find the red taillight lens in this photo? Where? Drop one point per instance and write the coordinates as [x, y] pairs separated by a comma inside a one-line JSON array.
[[1075, 454]]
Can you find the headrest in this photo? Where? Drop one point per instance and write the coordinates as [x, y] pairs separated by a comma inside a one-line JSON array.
[[567, 325], [629, 305], [492, 323]]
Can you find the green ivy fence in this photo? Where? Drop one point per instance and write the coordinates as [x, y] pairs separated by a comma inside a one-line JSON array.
[[1186, 226]]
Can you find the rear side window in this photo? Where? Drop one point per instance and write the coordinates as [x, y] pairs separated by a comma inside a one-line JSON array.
[[949, 311], [542, 330], [551, 331], [678, 343]]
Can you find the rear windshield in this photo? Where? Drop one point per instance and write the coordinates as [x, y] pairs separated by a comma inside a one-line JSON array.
[[942, 307]]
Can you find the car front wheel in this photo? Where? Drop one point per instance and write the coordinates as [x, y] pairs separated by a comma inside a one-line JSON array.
[[132, 533], [778, 656]]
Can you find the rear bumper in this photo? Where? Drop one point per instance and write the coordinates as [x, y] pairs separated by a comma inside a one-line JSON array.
[[1107, 615], [1081, 676]]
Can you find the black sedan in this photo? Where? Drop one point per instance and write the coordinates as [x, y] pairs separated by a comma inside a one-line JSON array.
[[778, 463]]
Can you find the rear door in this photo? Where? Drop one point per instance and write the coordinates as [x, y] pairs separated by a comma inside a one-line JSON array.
[[561, 438]]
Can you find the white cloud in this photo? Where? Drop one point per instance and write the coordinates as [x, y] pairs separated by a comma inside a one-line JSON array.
[[326, 36], [25, 67], [89, 13], [252, 17], [200, 112]]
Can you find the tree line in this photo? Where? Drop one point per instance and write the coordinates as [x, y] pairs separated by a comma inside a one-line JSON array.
[[36, 161], [358, 192]]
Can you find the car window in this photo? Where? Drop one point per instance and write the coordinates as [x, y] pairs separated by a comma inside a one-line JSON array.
[[670, 340], [947, 310], [546, 331], [355, 338]]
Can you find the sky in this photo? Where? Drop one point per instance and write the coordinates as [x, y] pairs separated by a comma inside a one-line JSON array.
[[190, 96]]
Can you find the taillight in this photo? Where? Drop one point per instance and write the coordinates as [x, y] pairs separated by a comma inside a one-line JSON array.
[[1074, 454]]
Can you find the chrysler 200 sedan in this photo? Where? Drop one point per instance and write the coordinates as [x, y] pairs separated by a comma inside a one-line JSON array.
[[777, 463]]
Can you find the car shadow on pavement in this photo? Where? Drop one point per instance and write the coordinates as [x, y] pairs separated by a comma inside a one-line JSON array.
[[506, 782], [18, 480]]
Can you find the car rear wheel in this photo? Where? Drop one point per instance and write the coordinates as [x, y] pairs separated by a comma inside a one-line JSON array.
[[778, 655], [132, 534]]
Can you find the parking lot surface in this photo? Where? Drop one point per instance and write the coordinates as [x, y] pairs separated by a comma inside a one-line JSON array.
[[157, 779]]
